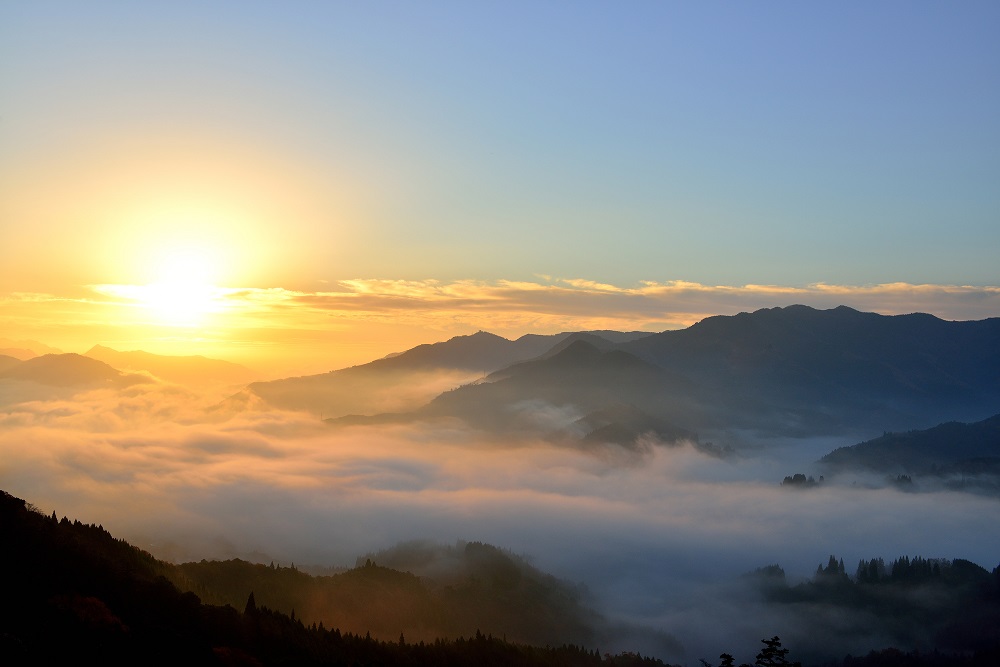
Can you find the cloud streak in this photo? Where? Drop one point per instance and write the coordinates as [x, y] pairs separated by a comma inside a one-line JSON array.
[[669, 304], [353, 321]]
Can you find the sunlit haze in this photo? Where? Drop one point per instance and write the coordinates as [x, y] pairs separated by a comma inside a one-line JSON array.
[[290, 189], [309, 150]]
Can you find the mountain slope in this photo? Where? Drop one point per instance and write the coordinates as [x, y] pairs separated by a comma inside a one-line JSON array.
[[948, 447], [405, 381], [550, 395], [25, 349], [780, 372], [181, 369], [74, 594], [7, 361], [19, 353], [850, 368], [67, 370], [460, 589]]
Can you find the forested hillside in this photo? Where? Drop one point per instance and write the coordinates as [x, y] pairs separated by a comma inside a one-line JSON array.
[[76, 595]]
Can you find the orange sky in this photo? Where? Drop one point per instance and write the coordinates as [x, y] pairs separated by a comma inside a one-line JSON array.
[[284, 332], [304, 189]]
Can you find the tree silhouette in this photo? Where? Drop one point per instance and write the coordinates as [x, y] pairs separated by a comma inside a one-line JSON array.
[[773, 654], [251, 606]]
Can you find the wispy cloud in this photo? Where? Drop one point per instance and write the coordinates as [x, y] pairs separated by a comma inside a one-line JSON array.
[[361, 319], [513, 308], [670, 303], [548, 302]]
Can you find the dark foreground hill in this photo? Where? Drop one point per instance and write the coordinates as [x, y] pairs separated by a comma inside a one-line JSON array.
[[474, 586], [73, 594], [926, 605]]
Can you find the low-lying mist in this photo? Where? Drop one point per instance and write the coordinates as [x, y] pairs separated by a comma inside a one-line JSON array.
[[658, 534]]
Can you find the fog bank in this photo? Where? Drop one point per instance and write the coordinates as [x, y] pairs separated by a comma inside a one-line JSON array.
[[658, 534]]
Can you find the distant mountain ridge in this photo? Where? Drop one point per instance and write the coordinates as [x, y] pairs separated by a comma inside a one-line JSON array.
[[841, 366], [793, 371], [19, 353], [580, 375], [834, 350], [942, 449], [481, 351], [25, 349], [180, 369], [7, 361], [405, 381], [66, 370]]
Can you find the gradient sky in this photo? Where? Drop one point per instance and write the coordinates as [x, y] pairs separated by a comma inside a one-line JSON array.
[[367, 176]]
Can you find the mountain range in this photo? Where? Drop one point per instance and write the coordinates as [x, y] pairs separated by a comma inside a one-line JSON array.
[[780, 372], [25, 349], [65, 370], [963, 456], [793, 372], [194, 369], [406, 381]]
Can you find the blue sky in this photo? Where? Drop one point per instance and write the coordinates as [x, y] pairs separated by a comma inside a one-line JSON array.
[[776, 143]]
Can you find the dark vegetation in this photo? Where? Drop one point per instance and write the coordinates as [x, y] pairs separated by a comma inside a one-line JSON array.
[[800, 481], [73, 594], [459, 590], [951, 607], [954, 455]]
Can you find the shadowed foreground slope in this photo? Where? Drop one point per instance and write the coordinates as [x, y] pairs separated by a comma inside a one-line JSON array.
[[74, 594], [478, 586]]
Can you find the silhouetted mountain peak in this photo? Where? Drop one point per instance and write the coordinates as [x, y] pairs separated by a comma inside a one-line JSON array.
[[482, 335], [470, 352], [62, 370], [592, 339], [25, 349], [577, 351], [184, 369]]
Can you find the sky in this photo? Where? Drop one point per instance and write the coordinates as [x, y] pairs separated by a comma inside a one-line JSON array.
[[301, 186], [308, 185]]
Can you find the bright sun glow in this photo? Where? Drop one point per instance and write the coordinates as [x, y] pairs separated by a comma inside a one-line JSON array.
[[184, 294]]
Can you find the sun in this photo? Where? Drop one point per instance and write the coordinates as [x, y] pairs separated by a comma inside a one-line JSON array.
[[184, 293]]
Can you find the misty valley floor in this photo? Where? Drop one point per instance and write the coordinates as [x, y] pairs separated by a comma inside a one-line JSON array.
[[627, 488]]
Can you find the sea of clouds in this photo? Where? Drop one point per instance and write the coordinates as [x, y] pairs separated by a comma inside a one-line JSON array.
[[659, 535]]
